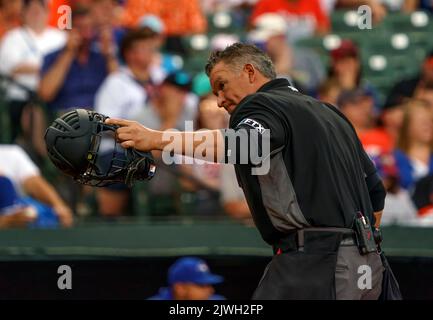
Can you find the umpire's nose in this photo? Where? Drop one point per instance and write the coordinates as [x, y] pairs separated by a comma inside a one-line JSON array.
[[221, 100]]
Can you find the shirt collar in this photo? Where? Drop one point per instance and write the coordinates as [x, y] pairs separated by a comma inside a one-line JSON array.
[[274, 84]]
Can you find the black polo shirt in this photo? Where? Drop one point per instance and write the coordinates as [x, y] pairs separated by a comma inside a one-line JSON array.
[[317, 165]]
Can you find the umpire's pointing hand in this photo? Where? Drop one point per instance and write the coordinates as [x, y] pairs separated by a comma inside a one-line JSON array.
[[131, 134]]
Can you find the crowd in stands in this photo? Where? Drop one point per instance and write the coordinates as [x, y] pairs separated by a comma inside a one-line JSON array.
[[143, 60]]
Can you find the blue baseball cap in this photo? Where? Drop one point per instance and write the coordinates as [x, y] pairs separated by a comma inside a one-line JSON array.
[[193, 270]]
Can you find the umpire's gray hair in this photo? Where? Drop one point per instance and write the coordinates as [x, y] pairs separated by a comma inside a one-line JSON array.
[[240, 54]]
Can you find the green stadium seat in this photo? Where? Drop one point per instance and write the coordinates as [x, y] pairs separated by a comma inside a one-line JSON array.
[[393, 66], [196, 63], [197, 43], [418, 21], [198, 49], [225, 22], [401, 56], [146, 205], [422, 39]]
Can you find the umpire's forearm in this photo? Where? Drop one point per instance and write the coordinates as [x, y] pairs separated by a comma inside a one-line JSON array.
[[204, 144]]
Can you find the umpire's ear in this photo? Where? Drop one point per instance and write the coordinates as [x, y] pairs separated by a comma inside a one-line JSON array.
[[251, 71]]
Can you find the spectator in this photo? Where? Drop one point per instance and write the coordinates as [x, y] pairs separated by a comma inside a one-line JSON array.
[[189, 278], [301, 66], [125, 94], [24, 176], [423, 199], [108, 29], [399, 208], [414, 154], [21, 55], [205, 184], [72, 75], [413, 5], [406, 88], [425, 93], [329, 91], [181, 17], [13, 214], [232, 198], [305, 17], [357, 106], [383, 139], [211, 6], [10, 15], [163, 63], [345, 68], [171, 106]]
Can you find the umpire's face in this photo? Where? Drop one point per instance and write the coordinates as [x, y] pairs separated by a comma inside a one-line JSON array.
[[230, 85]]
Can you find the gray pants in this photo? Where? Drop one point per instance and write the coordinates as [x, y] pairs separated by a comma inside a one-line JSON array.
[[358, 277]]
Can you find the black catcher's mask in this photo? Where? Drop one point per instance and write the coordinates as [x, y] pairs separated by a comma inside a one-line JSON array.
[[73, 143]]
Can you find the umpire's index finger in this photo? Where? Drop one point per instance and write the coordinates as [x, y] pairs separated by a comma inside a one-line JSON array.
[[119, 122]]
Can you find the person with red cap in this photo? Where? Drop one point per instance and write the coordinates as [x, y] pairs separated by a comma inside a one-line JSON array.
[[346, 70]]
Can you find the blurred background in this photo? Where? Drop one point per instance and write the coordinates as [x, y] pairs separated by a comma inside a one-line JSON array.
[[144, 60]]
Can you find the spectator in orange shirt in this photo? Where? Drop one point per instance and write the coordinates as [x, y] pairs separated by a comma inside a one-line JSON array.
[[383, 139], [10, 15], [180, 17], [305, 17]]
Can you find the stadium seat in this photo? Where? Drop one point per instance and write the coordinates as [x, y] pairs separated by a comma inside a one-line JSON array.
[[418, 21], [145, 205], [196, 43], [195, 64], [226, 22]]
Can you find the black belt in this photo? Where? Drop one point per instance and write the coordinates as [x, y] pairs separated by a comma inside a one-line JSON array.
[[295, 241]]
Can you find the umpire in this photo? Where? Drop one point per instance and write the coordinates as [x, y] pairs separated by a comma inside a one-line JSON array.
[[314, 204]]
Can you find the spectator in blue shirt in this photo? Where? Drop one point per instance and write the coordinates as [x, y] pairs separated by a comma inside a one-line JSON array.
[[71, 76], [26, 198], [189, 278]]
